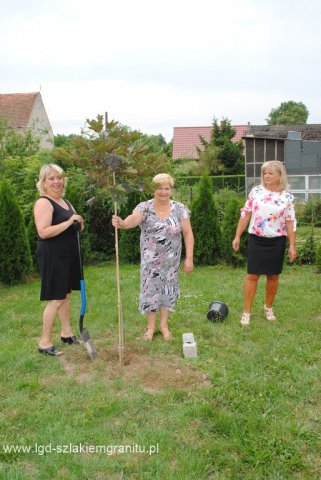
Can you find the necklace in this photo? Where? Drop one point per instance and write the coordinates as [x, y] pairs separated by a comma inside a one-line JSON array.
[[162, 210]]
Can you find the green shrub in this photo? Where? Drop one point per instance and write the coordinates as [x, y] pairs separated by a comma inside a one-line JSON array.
[[235, 182], [32, 239], [100, 229], [129, 240], [312, 212], [15, 256], [22, 173], [307, 252], [229, 224], [206, 226], [223, 197], [76, 194], [318, 258]]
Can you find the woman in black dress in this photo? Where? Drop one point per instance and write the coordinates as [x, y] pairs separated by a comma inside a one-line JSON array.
[[57, 255]]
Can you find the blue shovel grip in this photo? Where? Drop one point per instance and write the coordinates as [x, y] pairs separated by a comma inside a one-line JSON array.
[[83, 297]]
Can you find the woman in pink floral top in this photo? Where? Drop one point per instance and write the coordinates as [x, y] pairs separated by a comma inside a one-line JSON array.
[[269, 212]]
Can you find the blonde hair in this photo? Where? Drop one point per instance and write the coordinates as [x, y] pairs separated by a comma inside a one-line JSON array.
[[45, 172], [279, 168], [162, 178]]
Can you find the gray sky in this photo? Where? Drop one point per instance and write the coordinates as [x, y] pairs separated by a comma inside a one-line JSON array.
[[158, 65]]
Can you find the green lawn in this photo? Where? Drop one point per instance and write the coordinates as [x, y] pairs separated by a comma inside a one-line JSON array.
[[248, 407]]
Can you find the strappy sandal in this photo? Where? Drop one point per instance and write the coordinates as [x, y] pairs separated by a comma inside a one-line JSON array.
[[269, 315], [51, 351], [148, 335], [166, 334], [245, 319]]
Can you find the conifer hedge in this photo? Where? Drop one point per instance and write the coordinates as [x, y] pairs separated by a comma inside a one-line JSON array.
[[206, 226], [229, 225], [15, 263]]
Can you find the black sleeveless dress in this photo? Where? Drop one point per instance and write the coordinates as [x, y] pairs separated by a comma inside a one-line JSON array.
[[58, 258]]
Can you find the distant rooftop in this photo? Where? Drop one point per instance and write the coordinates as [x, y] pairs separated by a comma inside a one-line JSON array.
[[17, 108], [187, 139], [308, 132]]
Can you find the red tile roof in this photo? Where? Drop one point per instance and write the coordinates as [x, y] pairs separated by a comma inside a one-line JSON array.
[[17, 108], [186, 139]]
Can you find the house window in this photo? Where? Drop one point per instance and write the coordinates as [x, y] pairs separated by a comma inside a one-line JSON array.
[[249, 151], [259, 151], [250, 183], [314, 195], [305, 187], [280, 150], [315, 183], [258, 167], [250, 170], [270, 150], [297, 182], [299, 196]]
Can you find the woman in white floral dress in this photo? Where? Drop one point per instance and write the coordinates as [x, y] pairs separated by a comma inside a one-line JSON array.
[[269, 210], [163, 222]]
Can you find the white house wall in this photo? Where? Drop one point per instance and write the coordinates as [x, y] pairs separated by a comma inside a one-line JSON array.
[[39, 122]]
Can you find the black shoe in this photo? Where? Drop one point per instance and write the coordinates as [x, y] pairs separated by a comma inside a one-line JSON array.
[[50, 351], [70, 340]]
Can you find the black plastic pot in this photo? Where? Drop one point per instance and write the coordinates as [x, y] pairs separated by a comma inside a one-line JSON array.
[[217, 311]]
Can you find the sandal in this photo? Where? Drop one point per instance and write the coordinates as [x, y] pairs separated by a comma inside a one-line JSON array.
[[51, 351], [148, 335], [245, 319], [269, 315], [70, 340], [166, 334]]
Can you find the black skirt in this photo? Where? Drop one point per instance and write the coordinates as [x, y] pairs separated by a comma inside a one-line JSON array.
[[265, 256], [59, 270]]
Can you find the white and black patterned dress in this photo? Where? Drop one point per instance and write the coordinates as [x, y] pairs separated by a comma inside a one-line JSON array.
[[161, 248]]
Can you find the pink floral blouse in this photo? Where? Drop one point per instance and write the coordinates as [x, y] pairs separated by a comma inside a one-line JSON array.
[[270, 211]]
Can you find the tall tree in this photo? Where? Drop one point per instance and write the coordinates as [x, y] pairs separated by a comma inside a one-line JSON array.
[[60, 139], [112, 151], [14, 247], [221, 154], [16, 144], [106, 153], [221, 131], [22, 173], [288, 113], [209, 162], [157, 144], [229, 224], [206, 227]]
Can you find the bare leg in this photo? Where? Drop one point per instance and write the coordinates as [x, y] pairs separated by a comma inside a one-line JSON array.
[[164, 314], [151, 320], [151, 323], [250, 285], [64, 315], [49, 315], [272, 284]]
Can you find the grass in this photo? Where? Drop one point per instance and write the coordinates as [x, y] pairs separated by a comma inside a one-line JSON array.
[[247, 408]]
